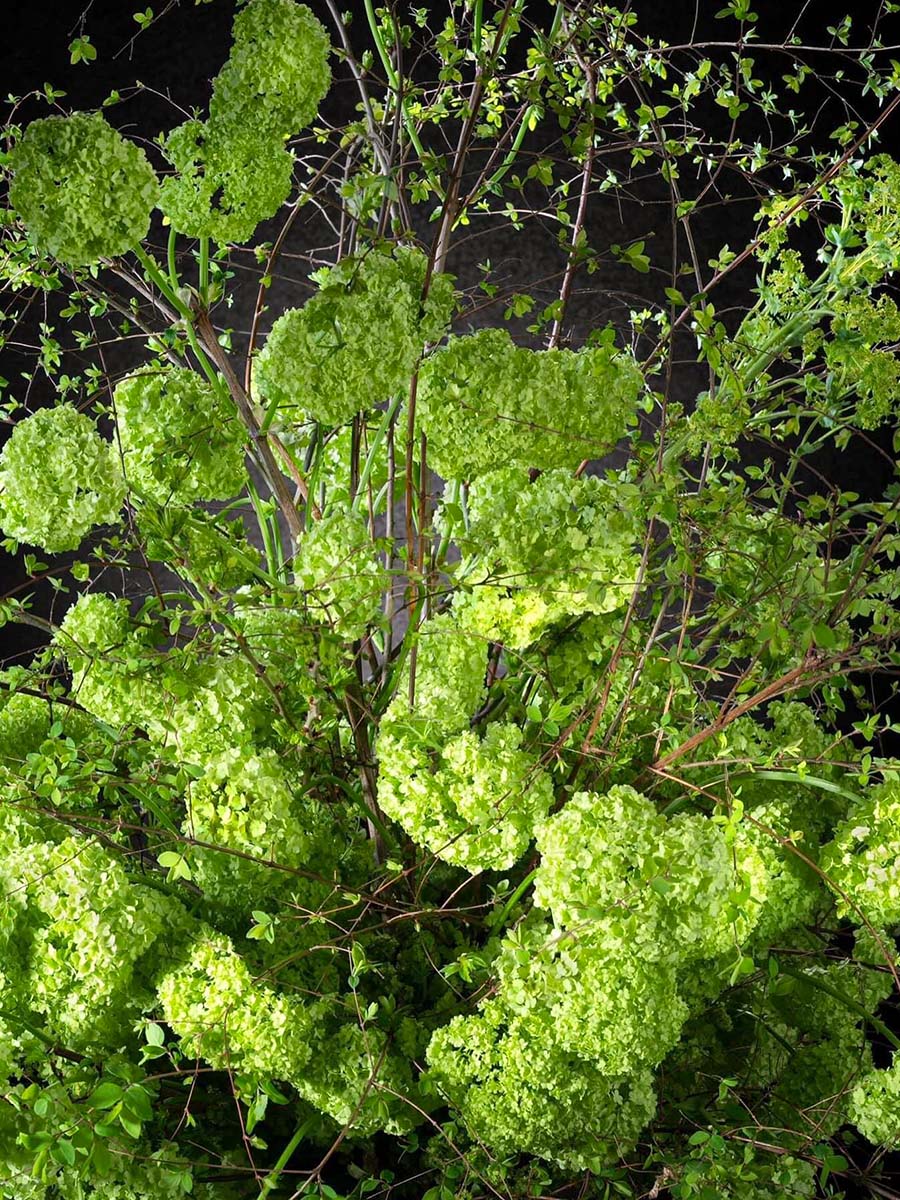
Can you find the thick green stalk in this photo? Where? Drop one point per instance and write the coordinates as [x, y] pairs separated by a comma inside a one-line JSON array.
[[377, 442], [270, 1183], [204, 271]]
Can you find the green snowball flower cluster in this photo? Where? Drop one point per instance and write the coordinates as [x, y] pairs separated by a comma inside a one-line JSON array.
[[485, 403], [356, 342], [180, 437], [83, 937], [338, 568], [874, 1106], [224, 183], [474, 802], [863, 859], [213, 703], [450, 671], [359, 1081], [521, 1093], [233, 170], [553, 548], [664, 887], [591, 994], [59, 479], [222, 1015], [277, 71], [635, 899], [243, 802], [115, 668], [83, 191]]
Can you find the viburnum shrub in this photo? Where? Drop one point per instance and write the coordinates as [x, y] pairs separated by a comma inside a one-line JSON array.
[[414, 799]]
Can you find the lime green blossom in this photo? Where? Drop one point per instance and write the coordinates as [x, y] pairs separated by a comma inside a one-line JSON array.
[[83, 191], [59, 480], [331, 358], [180, 438]]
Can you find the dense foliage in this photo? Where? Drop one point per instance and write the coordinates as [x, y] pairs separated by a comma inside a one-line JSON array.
[[441, 810]]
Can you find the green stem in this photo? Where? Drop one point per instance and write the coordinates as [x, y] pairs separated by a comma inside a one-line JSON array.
[[205, 365], [204, 271], [380, 435], [271, 1180], [453, 498], [272, 554], [392, 78], [514, 899], [151, 267], [172, 262], [513, 152]]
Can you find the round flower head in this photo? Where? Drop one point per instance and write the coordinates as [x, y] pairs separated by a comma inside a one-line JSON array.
[[83, 191], [277, 72], [485, 403], [226, 181], [59, 479], [180, 439], [357, 341]]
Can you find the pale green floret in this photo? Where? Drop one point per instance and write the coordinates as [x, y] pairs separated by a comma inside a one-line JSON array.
[[233, 170], [91, 932], [180, 438], [863, 860], [450, 678], [116, 672], [357, 341], [875, 1106], [592, 994], [277, 72], [665, 885], [557, 530], [226, 182], [353, 1077], [338, 567], [473, 803], [485, 403], [59, 480], [519, 1093], [25, 722], [554, 548], [243, 802], [83, 191], [221, 1014]]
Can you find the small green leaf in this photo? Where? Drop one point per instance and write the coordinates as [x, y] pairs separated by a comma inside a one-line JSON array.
[[82, 50], [154, 1034], [105, 1094], [63, 1152]]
